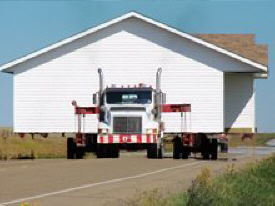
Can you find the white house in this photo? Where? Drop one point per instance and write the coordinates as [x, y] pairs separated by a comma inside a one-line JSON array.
[[217, 82]]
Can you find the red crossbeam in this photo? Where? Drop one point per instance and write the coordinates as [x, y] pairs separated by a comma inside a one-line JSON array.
[[176, 108], [84, 110]]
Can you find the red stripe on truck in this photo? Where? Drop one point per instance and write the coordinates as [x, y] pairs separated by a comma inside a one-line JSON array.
[[128, 138], [139, 138], [121, 138], [148, 138], [110, 138], [155, 138]]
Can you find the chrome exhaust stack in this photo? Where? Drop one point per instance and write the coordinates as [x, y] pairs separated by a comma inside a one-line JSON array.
[[101, 81], [158, 80], [158, 95]]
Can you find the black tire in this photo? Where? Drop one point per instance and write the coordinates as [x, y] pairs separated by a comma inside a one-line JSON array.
[[71, 146], [177, 147], [101, 151], [115, 151], [185, 152], [152, 151], [205, 147], [79, 153], [91, 143], [160, 153], [108, 151], [224, 147], [214, 149]]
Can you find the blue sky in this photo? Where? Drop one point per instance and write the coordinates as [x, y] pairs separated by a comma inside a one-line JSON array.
[[27, 26]]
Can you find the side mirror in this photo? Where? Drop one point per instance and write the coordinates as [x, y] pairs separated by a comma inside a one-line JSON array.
[[163, 98], [95, 98]]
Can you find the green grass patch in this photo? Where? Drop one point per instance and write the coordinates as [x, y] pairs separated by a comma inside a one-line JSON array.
[[13, 147], [27, 148], [263, 138], [259, 140], [253, 185], [157, 198]]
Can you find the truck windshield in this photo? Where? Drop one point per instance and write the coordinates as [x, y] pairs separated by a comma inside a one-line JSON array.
[[135, 97]]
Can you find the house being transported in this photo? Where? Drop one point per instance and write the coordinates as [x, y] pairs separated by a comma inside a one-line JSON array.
[[215, 73]]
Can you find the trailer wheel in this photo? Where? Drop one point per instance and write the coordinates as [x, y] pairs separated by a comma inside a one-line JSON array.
[[214, 149], [152, 151], [224, 147], [70, 148], [205, 146], [177, 147], [185, 152], [79, 153]]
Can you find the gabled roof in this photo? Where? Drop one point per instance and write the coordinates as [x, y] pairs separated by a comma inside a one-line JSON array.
[[146, 19]]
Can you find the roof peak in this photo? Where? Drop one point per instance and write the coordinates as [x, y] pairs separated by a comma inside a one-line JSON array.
[[8, 67]]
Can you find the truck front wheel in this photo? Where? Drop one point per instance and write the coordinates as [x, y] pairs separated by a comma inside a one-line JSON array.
[[152, 151], [114, 151], [101, 151], [107, 151]]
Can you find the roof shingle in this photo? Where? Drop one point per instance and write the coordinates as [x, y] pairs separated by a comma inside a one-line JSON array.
[[241, 44]]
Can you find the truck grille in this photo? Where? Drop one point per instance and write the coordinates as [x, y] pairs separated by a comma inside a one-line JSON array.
[[127, 125]]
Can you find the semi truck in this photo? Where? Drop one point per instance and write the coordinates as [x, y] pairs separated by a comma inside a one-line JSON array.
[[130, 118]]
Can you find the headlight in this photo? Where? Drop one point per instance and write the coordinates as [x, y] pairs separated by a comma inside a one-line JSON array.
[[103, 131], [149, 131], [152, 131]]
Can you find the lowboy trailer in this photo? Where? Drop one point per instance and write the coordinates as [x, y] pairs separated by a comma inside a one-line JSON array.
[[131, 118]]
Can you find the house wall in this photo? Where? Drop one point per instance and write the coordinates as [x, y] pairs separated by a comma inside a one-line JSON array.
[[239, 103], [129, 52]]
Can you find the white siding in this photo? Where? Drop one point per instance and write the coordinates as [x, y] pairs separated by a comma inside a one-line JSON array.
[[129, 53], [239, 101]]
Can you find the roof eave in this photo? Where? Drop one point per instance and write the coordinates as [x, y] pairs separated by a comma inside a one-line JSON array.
[[121, 18], [261, 75]]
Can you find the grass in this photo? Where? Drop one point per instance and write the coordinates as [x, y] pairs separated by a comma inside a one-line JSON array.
[[253, 185], [263, 138], [260, 140], [13, 147]]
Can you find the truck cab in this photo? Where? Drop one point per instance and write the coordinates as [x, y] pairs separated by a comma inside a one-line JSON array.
[[127, 113], [128, 117]]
